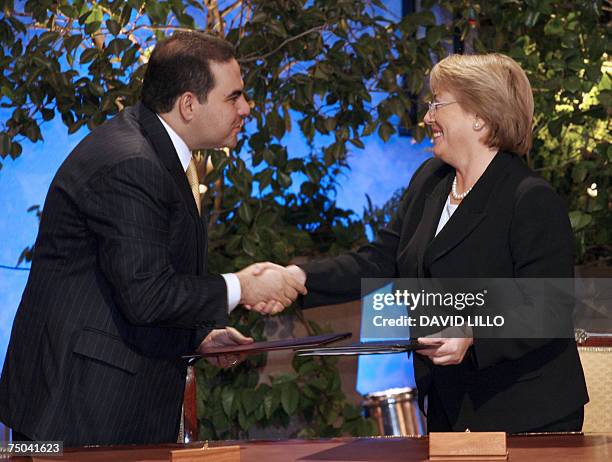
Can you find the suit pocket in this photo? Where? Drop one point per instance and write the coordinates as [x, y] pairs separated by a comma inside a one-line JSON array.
[[108, 349]]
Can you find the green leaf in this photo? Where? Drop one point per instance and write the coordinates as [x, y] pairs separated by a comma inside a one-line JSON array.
[[250, 400], [579, 219], [245, 213], [129, 57], [92, 27], [357, 142], [220, 422], [283, 179], [48, 37], [5, 144], [233, 243], [249, 246], [319, 73], [113, 27], [555, 126], [67, 9], [319, 382], [554, 27], [267, 219], [15, 150], [265, 179], [117, 45], [276, 124], [308, 188], [572, 84], [227, 400], [243, 420], [433, 36], [307, 127], [126, 14], [88, 55], [32, 132], [532, 18], [95, 88], [330, 124], [95, 15], [72, 42], [290, 397], [282, 379], [269, 157], [385, 131], [47, 114], [41, 62]]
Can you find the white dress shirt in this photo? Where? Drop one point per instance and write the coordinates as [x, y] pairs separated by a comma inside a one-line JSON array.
[[184, 154], [447, 212]]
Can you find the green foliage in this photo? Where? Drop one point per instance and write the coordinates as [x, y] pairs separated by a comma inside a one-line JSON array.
[[378, 217], [319, 67]]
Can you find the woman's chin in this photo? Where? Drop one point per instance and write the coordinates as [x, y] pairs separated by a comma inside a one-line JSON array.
[[439, 153]]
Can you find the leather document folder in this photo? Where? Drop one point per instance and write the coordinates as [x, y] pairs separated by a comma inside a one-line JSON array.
[[365, 348], [272, 345]]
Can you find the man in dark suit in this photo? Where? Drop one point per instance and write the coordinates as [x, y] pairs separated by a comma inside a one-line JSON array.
[[119, 287]]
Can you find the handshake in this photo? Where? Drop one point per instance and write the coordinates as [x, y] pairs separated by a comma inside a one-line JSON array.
[[269, 288]]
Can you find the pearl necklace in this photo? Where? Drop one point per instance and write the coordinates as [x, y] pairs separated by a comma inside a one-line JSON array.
[[454, 192]]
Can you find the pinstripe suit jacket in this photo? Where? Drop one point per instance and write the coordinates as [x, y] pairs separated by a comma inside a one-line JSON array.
[[118, 291]]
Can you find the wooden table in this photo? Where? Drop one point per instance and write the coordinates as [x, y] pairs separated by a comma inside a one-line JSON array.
[[570, 448], [594, 447]]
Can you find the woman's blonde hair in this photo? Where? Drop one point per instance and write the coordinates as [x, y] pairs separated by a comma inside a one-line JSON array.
[[494, 87]]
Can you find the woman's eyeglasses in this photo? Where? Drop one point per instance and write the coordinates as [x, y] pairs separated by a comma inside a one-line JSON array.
[[432, 106]]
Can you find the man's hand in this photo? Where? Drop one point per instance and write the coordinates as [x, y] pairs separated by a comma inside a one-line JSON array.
[[269, 288], [274, 306], [224, 337], [448, 351]]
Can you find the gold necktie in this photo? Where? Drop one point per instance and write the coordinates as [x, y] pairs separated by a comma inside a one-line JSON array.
[[194, 183]]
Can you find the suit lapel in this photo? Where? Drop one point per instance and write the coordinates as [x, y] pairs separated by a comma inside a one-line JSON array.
[[470, 213], [164, 149], [460, 225], [162, 144], [432, 210]]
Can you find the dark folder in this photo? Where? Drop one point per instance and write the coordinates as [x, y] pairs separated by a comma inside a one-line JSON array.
[[365, 348], [272, 345]]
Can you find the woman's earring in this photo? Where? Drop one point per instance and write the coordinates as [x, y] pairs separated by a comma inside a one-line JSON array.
[[476, 126]]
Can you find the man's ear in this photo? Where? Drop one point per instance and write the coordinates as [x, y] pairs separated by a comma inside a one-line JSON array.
[[186, 103]]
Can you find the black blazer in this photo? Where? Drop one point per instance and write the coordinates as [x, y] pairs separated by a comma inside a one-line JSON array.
[[118, 291], [512, 224]]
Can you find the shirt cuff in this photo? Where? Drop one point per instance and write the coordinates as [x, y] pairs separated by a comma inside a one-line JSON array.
[[233, 291]]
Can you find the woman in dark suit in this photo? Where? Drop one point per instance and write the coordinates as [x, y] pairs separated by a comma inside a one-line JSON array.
[[476, 210]]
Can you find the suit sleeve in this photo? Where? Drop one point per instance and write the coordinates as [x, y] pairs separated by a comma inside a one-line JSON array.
[[541, 243], [126, 210], [338, 279]]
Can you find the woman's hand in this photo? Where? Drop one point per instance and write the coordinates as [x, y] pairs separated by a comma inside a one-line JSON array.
[[447, 351]]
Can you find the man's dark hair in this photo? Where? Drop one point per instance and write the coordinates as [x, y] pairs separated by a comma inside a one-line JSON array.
[[179, 64]]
